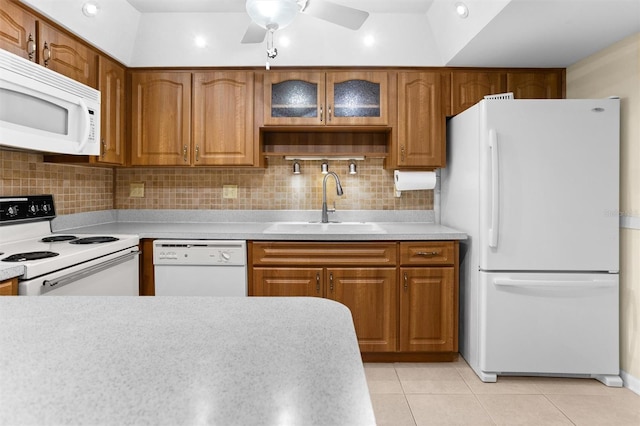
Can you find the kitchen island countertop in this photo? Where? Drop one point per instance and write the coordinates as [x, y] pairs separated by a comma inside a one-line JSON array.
[[180, 360]]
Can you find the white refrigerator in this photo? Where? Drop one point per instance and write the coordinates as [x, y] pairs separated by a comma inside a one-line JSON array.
[[535, 185]]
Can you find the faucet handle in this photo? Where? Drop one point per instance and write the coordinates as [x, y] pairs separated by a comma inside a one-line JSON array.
[[333, 210]]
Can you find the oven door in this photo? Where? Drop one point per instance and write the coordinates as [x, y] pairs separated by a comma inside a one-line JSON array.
[[113, 275]]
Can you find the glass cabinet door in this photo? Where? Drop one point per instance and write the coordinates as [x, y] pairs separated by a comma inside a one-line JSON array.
[[294, 98], [347, 98], [357, 98]]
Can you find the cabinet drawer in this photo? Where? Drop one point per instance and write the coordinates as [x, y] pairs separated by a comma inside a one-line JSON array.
[[427, 253], [323, 254]]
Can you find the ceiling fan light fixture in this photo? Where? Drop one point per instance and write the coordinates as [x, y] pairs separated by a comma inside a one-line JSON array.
[[272, 14]]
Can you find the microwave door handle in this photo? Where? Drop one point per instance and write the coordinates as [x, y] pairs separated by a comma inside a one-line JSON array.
[[87, 125]]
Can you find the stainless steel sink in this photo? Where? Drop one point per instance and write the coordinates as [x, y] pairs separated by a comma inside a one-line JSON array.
[[325, 228]]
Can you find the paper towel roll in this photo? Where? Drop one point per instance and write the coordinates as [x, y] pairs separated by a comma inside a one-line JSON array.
[[411, 181]]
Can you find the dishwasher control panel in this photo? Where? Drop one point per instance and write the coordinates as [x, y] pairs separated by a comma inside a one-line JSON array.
[[200, 252]]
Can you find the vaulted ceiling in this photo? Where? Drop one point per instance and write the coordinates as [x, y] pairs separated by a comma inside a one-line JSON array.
[[513, 33]]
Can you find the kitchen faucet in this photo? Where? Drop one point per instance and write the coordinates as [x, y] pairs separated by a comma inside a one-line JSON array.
[[325, 211]]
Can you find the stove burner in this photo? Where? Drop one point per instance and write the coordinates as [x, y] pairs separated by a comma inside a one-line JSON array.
[[94, 240], [34, 255], [56, 238]]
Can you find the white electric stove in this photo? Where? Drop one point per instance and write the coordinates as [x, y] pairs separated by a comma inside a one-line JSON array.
[[63, 263]]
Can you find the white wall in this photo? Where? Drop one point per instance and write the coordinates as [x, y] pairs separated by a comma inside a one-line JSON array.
[[615, 71]]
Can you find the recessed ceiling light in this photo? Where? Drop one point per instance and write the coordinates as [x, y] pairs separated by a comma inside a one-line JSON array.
[[200, 41], [369, 40], [462, 10], [90, 9]]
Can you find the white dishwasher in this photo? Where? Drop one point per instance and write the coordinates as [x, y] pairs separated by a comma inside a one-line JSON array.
[[200, 267]]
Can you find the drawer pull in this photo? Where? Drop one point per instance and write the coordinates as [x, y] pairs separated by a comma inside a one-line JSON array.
[[427, 253], [331, 282]]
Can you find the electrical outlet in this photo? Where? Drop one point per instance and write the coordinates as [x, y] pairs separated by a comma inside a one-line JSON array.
[[136, 190], [229, 191]]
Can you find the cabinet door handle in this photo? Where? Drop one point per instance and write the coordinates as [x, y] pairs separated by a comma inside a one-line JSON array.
[[329, 119], [104, 147], [402, 153], [46, 54], [331, 282], [197, 152], [406, 282], [31, 47], [318, 282], [184, 153], [427, 253], [321, 113]]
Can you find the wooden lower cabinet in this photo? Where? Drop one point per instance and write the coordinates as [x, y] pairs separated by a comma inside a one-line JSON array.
[[403, 296], [9, 287], [427, 314], [288, 282], [370, 294]]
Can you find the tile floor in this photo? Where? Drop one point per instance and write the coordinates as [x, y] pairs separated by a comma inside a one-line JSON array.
[[451, 394]]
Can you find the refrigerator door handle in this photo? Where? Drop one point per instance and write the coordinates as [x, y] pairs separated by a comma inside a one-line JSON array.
[[495, 189], [506, 282]]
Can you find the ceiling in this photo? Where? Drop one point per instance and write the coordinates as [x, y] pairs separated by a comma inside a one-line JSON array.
[[225, 6], [497, 33]]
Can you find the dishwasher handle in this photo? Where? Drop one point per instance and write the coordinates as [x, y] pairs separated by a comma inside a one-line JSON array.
[[49, 285]]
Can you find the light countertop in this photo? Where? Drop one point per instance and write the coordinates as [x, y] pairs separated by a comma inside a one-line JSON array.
[[393, 231], [180, 360], [245, 225]]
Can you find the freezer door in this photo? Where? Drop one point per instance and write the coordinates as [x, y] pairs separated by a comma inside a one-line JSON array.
[[549, 179], [549, 323]]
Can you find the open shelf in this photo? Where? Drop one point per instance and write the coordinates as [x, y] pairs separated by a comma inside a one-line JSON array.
[[326, 140]]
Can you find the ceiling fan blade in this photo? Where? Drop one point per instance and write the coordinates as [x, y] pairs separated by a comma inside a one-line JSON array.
[[254, 34], [335, 13]]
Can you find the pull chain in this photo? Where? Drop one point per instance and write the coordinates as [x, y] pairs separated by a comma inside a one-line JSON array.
[[272, 52]]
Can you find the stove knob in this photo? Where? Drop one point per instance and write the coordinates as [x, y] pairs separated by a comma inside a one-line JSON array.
[[12, 211], [33, 209], [46, 208]]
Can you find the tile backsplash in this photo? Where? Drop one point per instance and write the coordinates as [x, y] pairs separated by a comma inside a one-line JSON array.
[[76, 189], [272, 188], [80, 189]]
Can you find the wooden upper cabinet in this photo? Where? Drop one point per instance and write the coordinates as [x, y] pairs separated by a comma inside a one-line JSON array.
[[112, 105], [470, 87], [223, 118], [349, 98], [67, 55], [17, 30], [535, 85], [357, 98], [294, 98], [160, 118], [421, 121]]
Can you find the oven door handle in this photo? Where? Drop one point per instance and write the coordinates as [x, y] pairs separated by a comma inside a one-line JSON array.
[[49, 285]]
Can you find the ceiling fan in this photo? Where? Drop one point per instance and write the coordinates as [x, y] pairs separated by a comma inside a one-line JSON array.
[[268, 16]]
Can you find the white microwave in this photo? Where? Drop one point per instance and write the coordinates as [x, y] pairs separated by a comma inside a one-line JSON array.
[[41, 110]]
